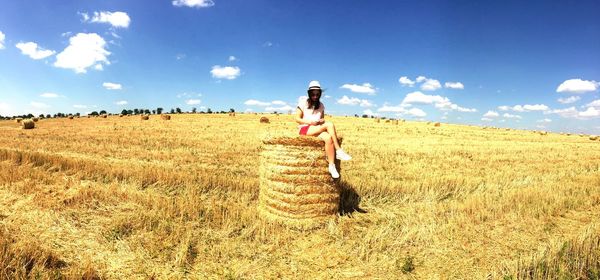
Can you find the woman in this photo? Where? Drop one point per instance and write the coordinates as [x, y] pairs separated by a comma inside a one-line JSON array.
[[310, 115]]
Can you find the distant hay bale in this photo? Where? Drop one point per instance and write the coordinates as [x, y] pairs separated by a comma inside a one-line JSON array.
[[437, 124], [377, 120], [296, 188], [28, 124], [35, 119], [18, 120], [70, 117], [121, 115], [165, 117], [594, 137], [387, 121], [232, 114], [543, 133], [144, 117], [568, 134], [264, 120], [396, 122], [103, 116]]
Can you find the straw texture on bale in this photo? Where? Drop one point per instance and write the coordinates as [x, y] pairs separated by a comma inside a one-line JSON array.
[[264, 120], [144, 117], [28, 124], [295, 187], [165, 117]]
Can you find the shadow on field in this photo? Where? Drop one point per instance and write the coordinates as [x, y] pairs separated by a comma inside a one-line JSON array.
[[349, 200]]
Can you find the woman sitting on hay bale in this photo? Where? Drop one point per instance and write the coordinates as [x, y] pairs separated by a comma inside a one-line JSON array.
[[310, 115]]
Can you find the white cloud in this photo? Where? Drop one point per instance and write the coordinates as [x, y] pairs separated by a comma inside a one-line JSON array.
[[369, 112], [252, 102], [504, 108], [121, 103], [578, 86], [193, 3], [421, 79], [193, 101], [279, 109], [2, 37], [364, 88], [595, 104], [491, 114], [416, 112], [116, 19], [32, 50], [278, 102], [49, 95], [528, 108], [454, 85], [405, 81], [440, 102], [232, 58], [248, 110], [39, 105], [345, 100], [79, 106], [395, 109], [430, 85], [511, 116], [590, 112], [84, 50], [112, 86], [544, 120], [267, 44], [487, 119], [227, 72], [569, 100]]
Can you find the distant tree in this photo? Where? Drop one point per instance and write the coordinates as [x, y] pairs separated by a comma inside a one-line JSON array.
[[178, 110], [78, 114], [147, 111], [93, 113], [365, 116], [208, 111], [172, 111], [275, 112], [103, 112], [129, 112], [194, 110], [159, 110], [41, 115], [48, 116], [124, 112], [136, 111], [231, 110], [154, 112]]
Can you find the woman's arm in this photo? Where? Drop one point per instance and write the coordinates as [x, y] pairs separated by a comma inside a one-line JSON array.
[[299, 115]]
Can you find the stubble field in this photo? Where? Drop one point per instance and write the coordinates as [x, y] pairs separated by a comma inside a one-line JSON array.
[[122, 198]]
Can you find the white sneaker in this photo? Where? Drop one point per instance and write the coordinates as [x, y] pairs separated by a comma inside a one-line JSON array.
[[333, 171], [341, 155]]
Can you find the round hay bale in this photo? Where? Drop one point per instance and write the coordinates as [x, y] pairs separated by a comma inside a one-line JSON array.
[[18, 120], [70, 117], [165, 117], [387, 121], [264, 120], [594, 137], [120, 115], [144, 117], [543, 133], [437, 124], [232, 114], [35, 119], [377, 120], [28, 124], [103, 116], [295, 187], [396, 122]]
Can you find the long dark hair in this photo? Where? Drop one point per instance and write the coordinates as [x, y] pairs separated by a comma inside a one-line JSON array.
[[311, 104]]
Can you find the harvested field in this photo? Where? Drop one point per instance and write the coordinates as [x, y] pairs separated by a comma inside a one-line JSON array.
[[118, 198]]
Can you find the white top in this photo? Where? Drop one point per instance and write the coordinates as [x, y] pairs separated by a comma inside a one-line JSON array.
[[311, 115]]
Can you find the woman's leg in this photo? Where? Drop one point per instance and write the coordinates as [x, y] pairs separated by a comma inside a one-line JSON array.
[[331, 130], [329, 148]]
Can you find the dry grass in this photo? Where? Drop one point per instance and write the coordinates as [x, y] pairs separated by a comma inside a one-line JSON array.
[[118, 199]]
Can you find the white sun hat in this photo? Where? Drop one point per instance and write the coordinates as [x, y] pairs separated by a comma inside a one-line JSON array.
[[314, 85]]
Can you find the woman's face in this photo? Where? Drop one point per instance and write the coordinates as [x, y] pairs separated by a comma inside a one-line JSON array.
[[315, 95]]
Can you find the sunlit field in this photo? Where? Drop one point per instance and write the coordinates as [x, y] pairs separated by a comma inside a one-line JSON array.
[[123, 198]]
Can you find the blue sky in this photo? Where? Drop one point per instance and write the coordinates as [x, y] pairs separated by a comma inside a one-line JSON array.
[[531, 65]]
